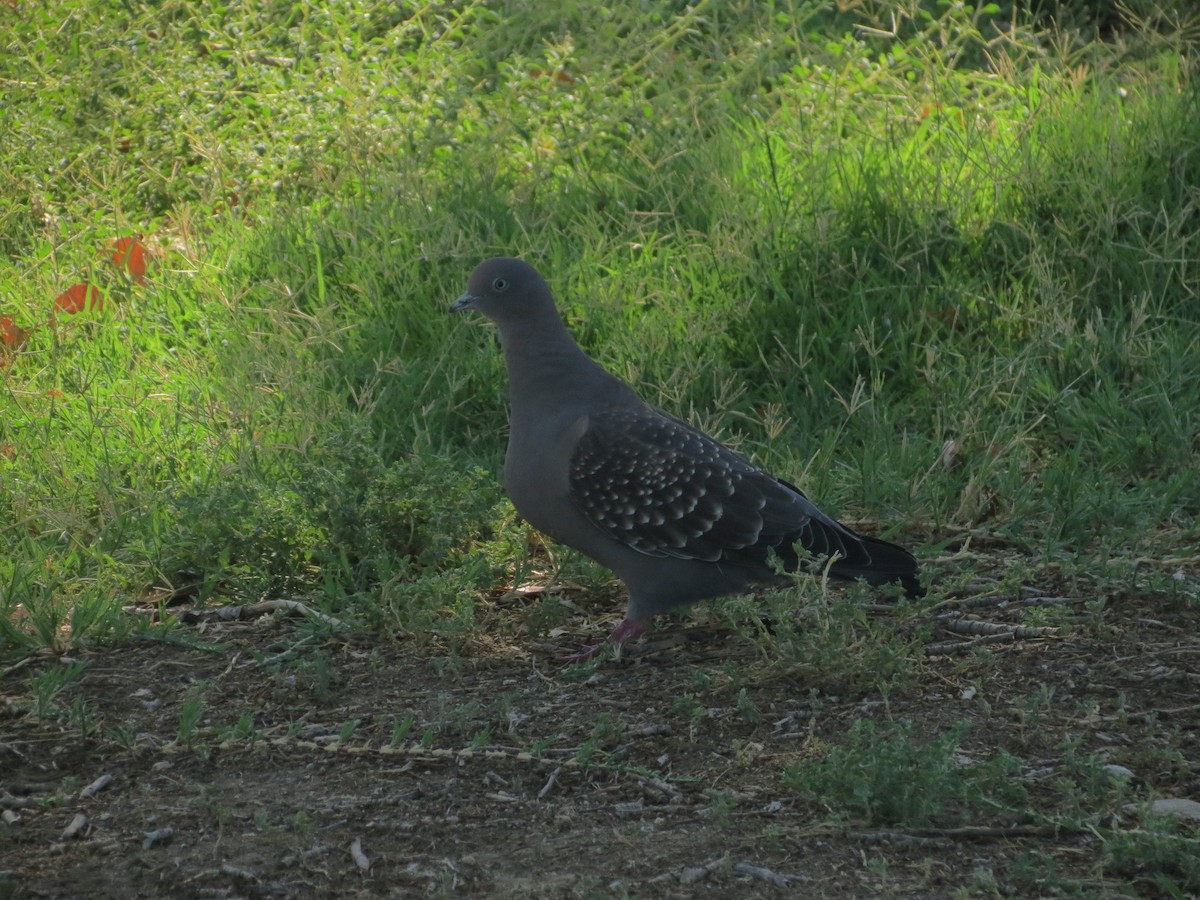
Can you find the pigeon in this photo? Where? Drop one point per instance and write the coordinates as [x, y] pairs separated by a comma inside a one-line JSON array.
[[676, 515]]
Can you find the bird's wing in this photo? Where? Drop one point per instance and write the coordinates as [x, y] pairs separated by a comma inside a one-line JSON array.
[[664, 488]]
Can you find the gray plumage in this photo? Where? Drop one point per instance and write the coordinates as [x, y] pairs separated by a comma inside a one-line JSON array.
[[675, 514]]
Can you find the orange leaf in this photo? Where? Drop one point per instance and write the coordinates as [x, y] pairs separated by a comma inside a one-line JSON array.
[[12, 335], [7, 450], [79, 297], [130, 254]]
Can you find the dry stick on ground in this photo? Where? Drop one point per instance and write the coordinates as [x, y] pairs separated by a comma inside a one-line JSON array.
[[965, 832], [435, 754], [764, 874], [549, 785], [76, 828], [96, 787], [251, 610], [8, 801], [974, 628], [157, 836], [360, 858], [691, 874], [949, 648], [22, 663], [1001, 600]]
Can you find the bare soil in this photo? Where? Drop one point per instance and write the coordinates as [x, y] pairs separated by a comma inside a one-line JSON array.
[[518, 778]]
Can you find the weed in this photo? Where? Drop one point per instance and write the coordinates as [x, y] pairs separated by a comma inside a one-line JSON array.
[[883, 775], [721, 805], [1161, 853], [537, 748], [50, 683], [747, 709], [123, 735], [83, 716], [1032, 711], [607, 729], [401, 730], [216, 807], [686, 706], [587, 750], [301, 824], [243, 729], [190, 714]]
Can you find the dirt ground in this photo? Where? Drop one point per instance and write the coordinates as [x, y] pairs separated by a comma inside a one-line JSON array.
[[250, 760]]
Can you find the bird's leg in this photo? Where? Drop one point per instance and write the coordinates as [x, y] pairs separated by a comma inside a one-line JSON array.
[[626, 629]]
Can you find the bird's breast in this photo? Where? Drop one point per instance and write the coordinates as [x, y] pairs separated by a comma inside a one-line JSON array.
[[536, 469]]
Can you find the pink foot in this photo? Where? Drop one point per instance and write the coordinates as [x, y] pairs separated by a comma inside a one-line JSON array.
[[626, 629]]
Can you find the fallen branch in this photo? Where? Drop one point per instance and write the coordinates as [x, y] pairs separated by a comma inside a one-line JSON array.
[[949, 648], [242, 874], [422, 753], [253, 610], [965, 832], [95, 787], [764, 874], [76, 828], [360, 858], [8, 801], [549, 785], [156, 837], [692, 874], [972, 627]]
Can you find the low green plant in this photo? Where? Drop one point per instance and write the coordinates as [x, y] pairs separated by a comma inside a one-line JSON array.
[[244, 729], [83, 716], [586, 751], [401, 730], [831, 638], [47, 686], [747, 708], [885, 775], [124, 735], [1160, 852], [607, 729], [190, 714], [721, 805]]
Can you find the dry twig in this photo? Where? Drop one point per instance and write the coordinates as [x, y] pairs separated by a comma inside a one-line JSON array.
[[253, 610], [96, 787], [360, 858]]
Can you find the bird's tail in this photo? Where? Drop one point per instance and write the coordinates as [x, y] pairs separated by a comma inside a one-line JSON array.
[[882, 562]]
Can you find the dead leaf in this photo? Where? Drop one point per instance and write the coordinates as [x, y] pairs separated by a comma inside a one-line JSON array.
[[79, 297], [12, 335], [130, 254]]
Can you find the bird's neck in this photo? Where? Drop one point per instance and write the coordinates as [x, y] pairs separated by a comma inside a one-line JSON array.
[[543, 359]]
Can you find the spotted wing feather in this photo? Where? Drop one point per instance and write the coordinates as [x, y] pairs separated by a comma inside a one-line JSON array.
[[666, 489]]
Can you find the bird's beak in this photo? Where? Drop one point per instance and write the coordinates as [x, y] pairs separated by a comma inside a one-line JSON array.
[[466, 301]]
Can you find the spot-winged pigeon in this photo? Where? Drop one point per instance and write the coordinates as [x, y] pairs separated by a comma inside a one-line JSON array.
[[677, 516]]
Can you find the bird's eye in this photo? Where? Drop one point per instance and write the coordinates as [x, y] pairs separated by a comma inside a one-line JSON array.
[[499, 285]]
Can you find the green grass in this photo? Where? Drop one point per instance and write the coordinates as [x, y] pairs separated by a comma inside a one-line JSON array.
[[891, 778], [837, 246]]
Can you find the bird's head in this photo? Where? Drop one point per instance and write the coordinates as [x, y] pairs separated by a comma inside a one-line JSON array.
[[506, 290]]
